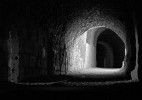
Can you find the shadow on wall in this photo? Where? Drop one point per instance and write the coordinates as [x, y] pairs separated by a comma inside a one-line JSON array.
[[3, 61]]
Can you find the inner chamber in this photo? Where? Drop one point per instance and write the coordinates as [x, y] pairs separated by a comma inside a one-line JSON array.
[[110, 50]]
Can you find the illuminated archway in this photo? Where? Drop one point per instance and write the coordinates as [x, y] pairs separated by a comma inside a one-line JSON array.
[[102, 46]]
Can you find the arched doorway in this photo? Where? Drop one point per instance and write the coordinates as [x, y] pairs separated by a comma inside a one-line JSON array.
[[110, 50]]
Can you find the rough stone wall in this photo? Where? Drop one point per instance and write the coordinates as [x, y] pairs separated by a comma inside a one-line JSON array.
[[33, 54], [13, 57], [78, 54]]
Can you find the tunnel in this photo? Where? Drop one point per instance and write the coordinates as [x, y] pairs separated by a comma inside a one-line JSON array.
[[110, 50]]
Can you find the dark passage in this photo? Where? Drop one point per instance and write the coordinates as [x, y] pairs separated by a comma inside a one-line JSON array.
[[110, 58], [101, 51]]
